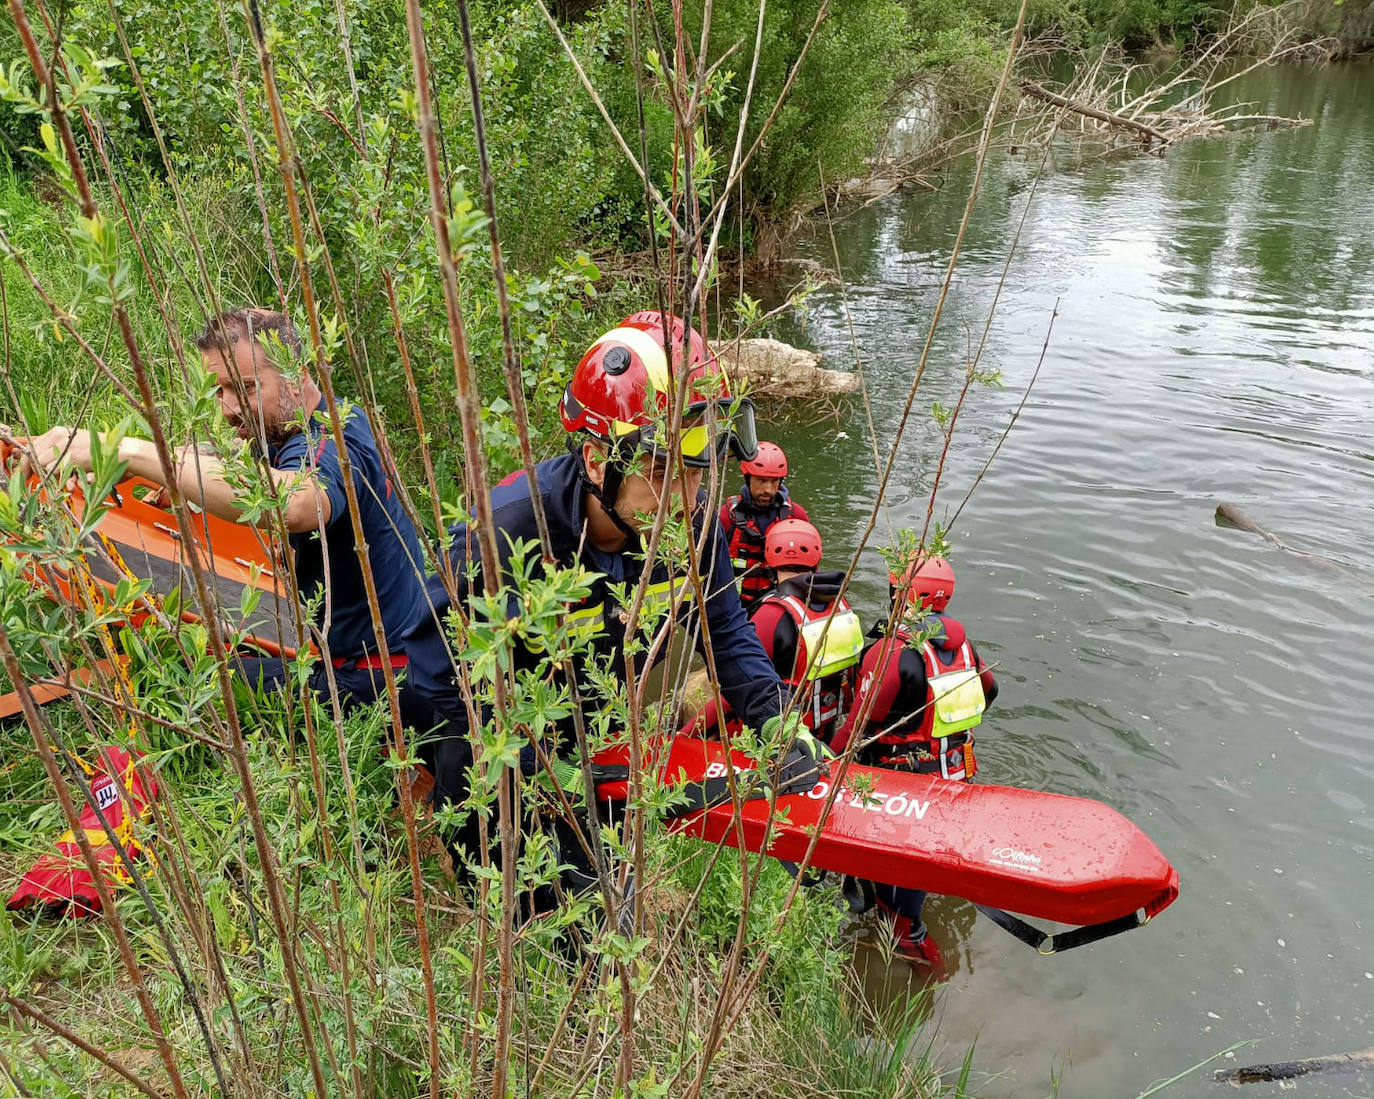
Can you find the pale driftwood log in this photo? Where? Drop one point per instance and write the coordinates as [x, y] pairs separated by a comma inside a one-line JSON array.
[[1362, 1061], [775, 369], [1033, 89]]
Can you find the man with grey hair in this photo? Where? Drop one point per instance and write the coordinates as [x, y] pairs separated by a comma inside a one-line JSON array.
[[266, 393]]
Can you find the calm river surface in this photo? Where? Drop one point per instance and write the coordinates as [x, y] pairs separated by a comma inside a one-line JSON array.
[[1215, 342]]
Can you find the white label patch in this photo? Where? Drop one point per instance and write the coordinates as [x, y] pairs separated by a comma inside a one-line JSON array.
[[1015, 859], [105, 794]]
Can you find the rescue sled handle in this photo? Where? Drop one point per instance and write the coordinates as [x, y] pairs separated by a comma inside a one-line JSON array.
[[234, 551]]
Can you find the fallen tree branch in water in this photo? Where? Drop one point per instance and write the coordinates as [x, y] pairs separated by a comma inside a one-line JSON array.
[[1230, 515], [1360, 1061], [1177, 104], [1149, 132]]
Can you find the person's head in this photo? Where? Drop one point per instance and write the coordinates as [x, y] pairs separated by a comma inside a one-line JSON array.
[[616, 410], [792, 547], [243, 349], [927, 583], [764, 472]]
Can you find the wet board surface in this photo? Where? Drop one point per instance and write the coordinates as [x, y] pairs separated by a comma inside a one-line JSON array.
[[1049, 856]]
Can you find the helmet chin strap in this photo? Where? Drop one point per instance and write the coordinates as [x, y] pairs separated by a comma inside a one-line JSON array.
[[608, 490]]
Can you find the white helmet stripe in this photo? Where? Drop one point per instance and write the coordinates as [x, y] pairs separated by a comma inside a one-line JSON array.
[[648, 350]]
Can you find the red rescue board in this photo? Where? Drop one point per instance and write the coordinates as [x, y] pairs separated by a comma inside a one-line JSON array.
[[1050, 856]]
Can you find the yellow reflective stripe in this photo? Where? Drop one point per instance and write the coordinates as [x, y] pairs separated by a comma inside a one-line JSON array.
[[586, 623], [664, 593], [648, 350], [591, 621]]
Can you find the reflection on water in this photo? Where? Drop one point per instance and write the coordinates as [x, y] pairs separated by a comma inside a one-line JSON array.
[[1214, 343]]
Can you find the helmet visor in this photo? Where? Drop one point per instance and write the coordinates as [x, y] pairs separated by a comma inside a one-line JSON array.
[[710, 429]]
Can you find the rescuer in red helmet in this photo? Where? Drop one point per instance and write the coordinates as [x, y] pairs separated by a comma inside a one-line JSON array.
[[921, 690], [807, 627], [745, 518], [598, 500]]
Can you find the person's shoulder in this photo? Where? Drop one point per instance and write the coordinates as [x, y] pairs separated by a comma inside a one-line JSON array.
[[798, 512], [768, 609], [557, 479], [357, 428], [782, 603], [560, 493], [889, 648]]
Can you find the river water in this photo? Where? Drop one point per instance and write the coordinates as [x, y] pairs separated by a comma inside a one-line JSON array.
[[1214, 343]]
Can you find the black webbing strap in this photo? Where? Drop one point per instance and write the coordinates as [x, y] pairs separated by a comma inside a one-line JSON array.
[[1065, 940]]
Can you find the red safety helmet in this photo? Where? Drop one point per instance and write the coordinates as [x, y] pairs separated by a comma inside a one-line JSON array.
[[928, 581], [769, 462], [625, 382], [792, 544]]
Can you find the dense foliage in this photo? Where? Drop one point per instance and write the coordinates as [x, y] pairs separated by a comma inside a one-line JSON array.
[[285, 939]]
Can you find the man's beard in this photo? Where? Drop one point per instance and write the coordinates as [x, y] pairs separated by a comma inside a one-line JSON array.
[[266, 431]]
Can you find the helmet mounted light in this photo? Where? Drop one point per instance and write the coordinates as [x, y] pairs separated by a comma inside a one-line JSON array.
[[623, 388]]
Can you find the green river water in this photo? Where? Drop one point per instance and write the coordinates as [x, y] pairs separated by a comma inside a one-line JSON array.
[[1215, 343]]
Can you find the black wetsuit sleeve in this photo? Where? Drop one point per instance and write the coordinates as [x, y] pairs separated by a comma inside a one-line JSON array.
[[785, 645], [908, 708]]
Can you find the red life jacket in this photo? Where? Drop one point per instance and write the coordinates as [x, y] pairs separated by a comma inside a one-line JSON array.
[[907, 742], [821, 680], [748, 532]]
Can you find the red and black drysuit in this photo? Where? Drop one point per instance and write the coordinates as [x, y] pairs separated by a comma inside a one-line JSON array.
[[898, 716], [745, 526], [776, 620]]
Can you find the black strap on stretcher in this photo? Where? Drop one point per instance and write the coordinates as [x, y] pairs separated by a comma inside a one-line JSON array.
[[1046, 943]]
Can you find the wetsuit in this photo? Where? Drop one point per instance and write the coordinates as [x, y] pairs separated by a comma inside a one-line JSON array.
[[820, 673], [745, 527], [746, 677], [894, 686]]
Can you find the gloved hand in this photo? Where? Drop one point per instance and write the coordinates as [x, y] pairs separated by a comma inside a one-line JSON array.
[[608, 780], [804, 757]]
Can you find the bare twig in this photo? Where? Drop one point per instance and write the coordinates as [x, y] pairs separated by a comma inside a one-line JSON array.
[[1360, 1061], [1030, 87]]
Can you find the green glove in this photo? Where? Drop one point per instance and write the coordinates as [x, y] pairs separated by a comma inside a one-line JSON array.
[[567, 776], [803, 756]]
